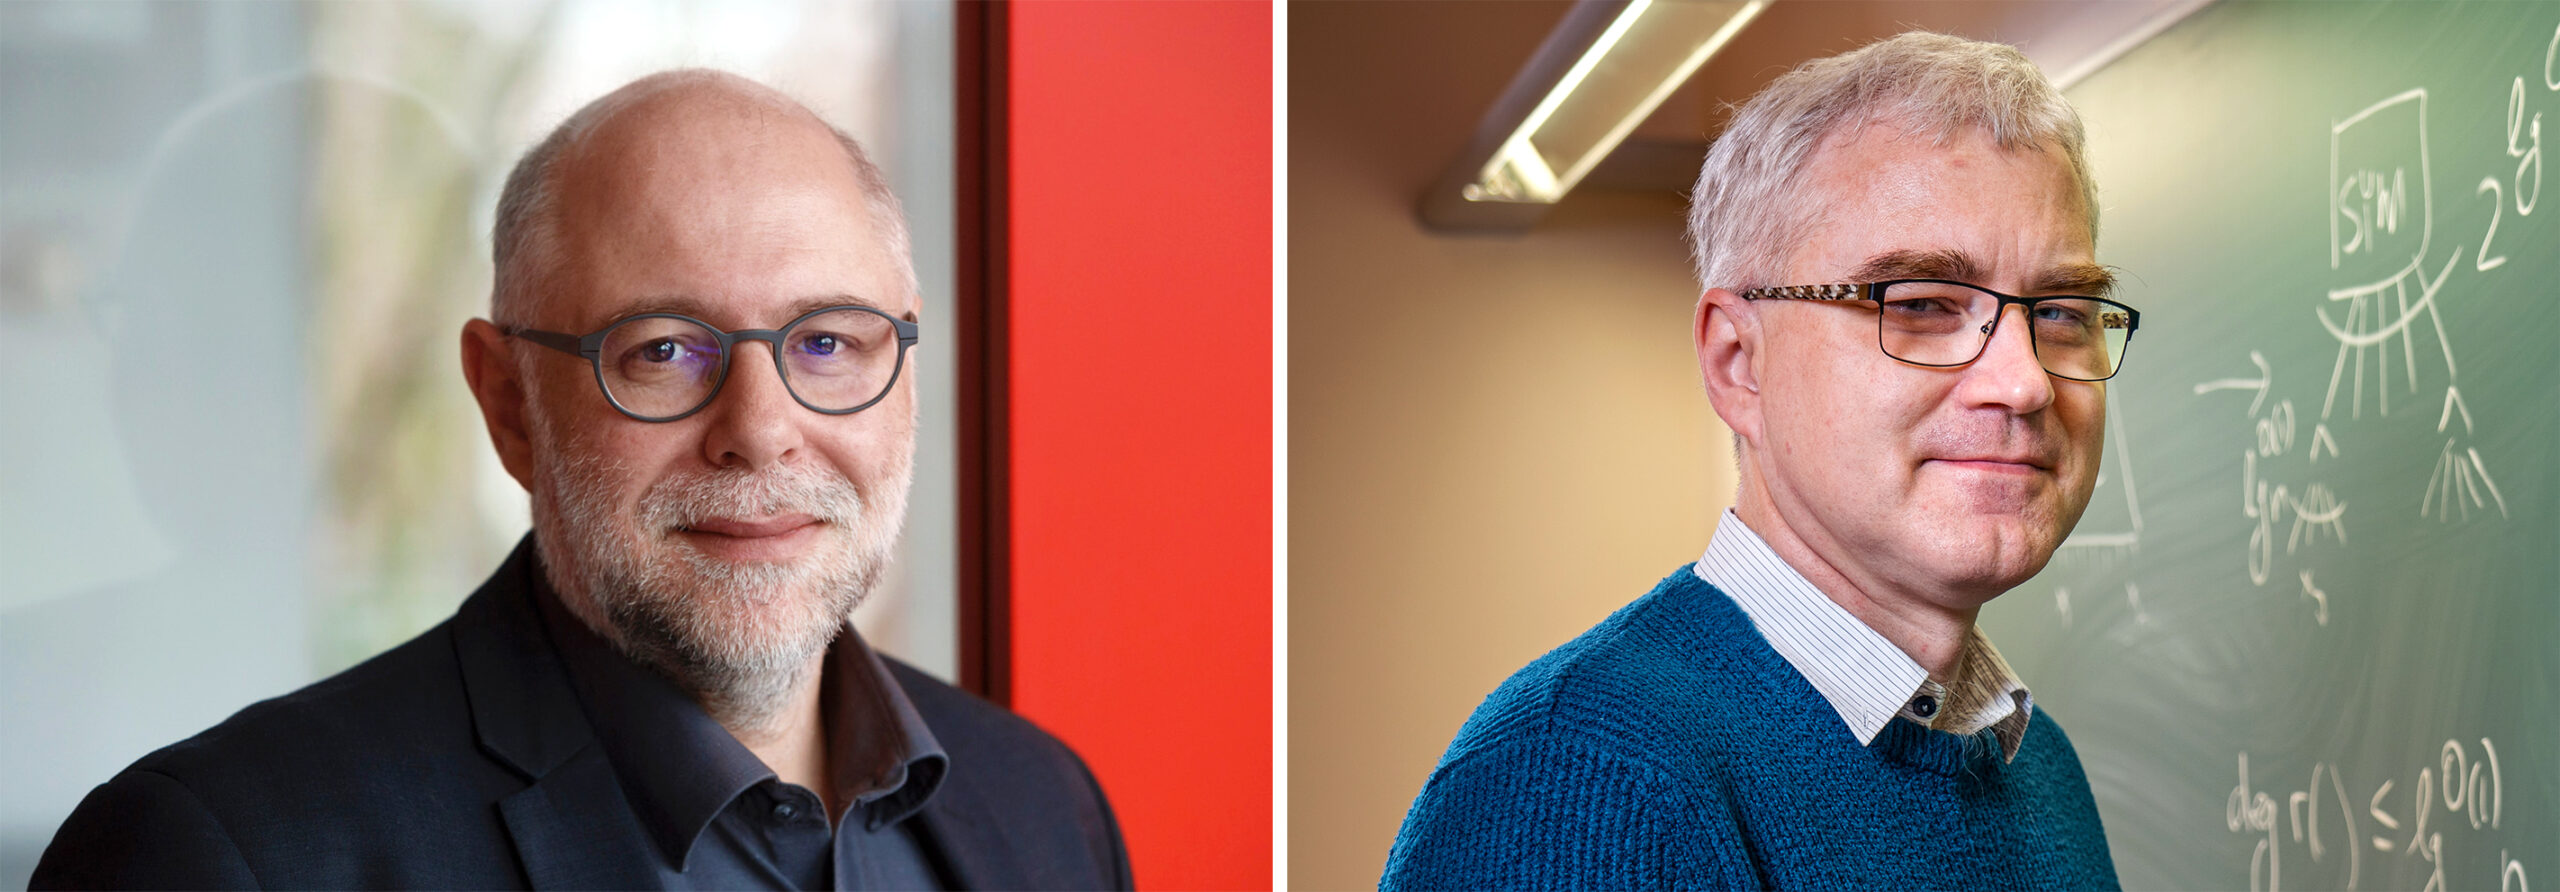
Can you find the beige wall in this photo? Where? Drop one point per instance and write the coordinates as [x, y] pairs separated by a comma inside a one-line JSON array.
[[1493, 441]]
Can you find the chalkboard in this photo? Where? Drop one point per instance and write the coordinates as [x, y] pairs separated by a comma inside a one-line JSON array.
[[2308, 633]]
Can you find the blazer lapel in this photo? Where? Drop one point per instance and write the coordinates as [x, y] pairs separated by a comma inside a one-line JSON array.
[[571, 825], [573, 831]]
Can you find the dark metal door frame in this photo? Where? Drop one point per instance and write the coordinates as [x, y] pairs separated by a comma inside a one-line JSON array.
[[985, 516]]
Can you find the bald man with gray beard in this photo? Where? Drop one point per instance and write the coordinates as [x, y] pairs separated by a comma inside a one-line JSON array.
[[661, 687]]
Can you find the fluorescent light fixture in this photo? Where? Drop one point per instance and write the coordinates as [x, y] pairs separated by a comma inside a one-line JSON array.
[[1648, 49]]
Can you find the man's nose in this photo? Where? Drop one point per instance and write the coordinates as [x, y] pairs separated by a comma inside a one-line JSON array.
[[2007, 374], [754, 420]]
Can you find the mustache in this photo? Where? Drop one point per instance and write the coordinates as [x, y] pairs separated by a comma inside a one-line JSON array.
[[683, 500]]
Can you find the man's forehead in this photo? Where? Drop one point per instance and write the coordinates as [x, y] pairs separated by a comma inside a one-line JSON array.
[[642, 156], [660, 214], [1873, 153], [1872, 186], [675, 136], [729, 107]]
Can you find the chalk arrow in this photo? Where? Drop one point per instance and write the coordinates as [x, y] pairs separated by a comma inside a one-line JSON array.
[[2258, 383]]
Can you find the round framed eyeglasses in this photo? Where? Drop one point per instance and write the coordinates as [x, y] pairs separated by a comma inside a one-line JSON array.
[[1944, 323], [664, 366]]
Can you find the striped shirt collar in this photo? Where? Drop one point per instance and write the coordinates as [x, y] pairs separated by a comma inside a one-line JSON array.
[[1865, 677]]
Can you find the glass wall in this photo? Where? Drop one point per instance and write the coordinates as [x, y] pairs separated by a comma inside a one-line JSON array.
[[237, 245]]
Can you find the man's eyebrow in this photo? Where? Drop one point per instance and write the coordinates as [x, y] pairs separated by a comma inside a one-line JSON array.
[[2087, 279], [688, 305], [809, 305], [1916, 264], [678, 304]]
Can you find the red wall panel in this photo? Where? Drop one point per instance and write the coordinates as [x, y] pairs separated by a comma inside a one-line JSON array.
[[1140, 416]]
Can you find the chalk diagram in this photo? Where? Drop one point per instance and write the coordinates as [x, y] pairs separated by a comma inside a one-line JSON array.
[[2385, 312], [2114, 516], [2380, 231], [2112, 522]]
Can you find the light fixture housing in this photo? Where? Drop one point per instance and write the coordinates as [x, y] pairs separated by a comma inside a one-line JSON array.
[[1604, 68]]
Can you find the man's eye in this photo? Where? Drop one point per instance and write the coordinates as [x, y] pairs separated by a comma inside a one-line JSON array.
[[1921, 308], [661, 350], [819, 345], [2059, 313]]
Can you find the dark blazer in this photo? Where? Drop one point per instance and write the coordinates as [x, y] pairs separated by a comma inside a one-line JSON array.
[[462, 760]]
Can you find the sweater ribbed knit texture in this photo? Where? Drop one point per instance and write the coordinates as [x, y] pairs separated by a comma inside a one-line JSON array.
[[1670, 747]]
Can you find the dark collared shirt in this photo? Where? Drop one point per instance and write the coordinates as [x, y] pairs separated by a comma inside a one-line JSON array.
[[720, 818]]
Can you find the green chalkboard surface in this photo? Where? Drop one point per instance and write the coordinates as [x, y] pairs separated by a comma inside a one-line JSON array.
[[2308, 634]]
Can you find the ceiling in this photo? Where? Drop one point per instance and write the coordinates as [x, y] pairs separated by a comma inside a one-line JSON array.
[[2065, 37]]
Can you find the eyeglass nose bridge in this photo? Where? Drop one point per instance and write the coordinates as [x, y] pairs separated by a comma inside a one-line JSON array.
[[1991, 329], [2000, 311], [2035, 345], [730, 341]]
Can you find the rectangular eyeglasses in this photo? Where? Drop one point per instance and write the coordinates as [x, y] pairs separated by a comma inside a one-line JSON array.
[[1943, 323]]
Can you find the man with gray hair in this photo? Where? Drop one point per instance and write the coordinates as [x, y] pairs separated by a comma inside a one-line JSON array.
[[1810, 704], [660, 688]]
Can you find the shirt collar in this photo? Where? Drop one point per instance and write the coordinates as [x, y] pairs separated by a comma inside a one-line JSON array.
[[887, 762], [1865, 678], [1989, 695], [681, 769]]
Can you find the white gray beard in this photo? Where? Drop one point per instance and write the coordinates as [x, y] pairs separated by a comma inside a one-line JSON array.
[[738, 637]]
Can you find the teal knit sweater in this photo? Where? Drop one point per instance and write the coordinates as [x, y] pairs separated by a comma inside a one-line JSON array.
[[1670, 747]]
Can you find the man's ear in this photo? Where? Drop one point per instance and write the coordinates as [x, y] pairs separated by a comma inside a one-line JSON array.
[[1728, 340], [489, 366]]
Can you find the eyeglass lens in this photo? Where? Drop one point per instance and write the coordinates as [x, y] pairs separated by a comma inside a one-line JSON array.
[[1942, 324], [659, 366]]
